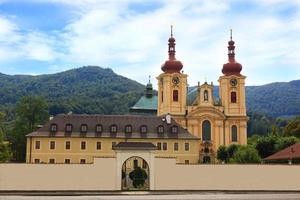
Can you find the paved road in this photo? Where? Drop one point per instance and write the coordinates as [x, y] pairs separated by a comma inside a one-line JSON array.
[[206, 196]]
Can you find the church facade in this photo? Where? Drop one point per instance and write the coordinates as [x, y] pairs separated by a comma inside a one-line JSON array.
[[216, 122], [172, 124]]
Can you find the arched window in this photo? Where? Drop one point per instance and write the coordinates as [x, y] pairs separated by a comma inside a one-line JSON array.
[[205, 95], [68, 128], [143, 129], [233, 97], [83, 128], [206, 131], [234, 133], [53, 128], [128, 129], [175, 95]]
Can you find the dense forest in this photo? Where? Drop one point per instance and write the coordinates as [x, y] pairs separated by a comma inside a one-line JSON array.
[[97, 90], [83, 90]]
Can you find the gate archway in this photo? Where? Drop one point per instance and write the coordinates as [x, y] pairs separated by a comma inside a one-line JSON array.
[[135, 174]]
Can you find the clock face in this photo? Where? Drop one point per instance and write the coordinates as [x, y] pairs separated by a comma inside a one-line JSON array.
[[233, 82], [175, 80]]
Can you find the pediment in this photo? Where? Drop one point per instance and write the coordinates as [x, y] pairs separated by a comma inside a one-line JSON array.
[[206, 111]]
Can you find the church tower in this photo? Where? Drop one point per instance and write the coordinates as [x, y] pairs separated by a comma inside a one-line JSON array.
[[232, 85], [172, 85]]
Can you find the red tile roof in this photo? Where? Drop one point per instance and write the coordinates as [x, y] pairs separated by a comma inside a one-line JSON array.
[[291, 152]]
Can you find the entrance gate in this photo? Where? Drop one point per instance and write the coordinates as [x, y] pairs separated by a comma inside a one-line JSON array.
[[135, 174]]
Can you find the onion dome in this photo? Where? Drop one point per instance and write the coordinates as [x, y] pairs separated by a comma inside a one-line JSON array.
[[172, 65], [232, 67]]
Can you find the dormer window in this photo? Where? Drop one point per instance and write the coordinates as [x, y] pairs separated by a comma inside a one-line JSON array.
[[160, 129], [83, 128], [113, 128], [53, 128], [69, 128], [98, 128], [143, 129], [174, 129], [128, 129]]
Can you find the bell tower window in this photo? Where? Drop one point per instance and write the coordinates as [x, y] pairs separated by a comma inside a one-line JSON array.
[[233, 97], [175, 95]]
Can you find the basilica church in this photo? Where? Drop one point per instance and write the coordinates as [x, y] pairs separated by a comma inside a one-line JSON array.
[[215, 119], [188, 124]]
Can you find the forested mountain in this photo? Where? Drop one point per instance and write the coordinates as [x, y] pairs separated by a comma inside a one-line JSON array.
[[98, 90], [275, 99], [83, 90]]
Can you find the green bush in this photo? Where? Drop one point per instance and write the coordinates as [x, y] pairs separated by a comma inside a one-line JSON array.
[[222, 154], [246, 154]]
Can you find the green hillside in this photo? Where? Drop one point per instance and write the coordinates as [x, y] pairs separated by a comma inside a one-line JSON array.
[[97, 90], [83, 90]]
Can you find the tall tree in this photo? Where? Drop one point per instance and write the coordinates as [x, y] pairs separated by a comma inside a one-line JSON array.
[[31, 111], [4, 149]]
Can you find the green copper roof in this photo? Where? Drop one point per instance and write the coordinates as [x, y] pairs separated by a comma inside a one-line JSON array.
[[146, 103]]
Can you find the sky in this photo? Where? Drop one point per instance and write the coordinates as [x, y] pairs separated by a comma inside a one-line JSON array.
[[130, 36]]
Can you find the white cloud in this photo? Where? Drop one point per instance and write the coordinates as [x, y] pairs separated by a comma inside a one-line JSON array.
[[134, 42]]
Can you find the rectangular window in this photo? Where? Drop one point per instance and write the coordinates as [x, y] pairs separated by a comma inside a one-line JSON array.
[[159, 146], [83, 145], [82, 161], [36, 160], [187, 162], [67, 161], [51, 161], [165, 146], [113, 144], [52, 144], [98, 146], [176, 146], [175, 95], [186, 146], [37, 144], [68, 145], [162, 96]]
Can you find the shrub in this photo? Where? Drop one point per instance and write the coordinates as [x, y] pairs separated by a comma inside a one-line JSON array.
[[246, 154], [222, 154]]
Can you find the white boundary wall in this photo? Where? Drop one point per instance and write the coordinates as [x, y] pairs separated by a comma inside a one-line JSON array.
[[165, 175]]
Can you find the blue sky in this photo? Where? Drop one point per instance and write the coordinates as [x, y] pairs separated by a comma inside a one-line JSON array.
[[48, 36]]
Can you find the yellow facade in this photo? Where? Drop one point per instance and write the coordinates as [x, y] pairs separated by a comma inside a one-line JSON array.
[[75, 154], [222, 115]]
